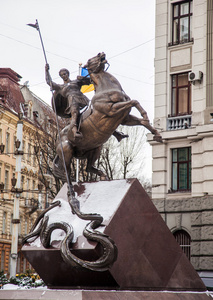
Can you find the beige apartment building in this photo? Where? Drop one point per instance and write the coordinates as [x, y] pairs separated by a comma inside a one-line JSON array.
[[36, 116], [183, 164]]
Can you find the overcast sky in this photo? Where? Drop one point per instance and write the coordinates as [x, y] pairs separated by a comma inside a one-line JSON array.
[[74, 31]]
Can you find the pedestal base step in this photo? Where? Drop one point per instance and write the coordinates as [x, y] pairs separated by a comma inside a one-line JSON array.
[[101, 295]]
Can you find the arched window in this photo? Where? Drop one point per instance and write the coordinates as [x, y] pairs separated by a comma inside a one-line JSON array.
[[184, 240]]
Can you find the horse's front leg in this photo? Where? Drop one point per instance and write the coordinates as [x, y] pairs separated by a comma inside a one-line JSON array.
[[131, 120]]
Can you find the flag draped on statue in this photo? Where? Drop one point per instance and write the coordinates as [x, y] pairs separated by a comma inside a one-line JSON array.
[[86, 88], [84, 72]]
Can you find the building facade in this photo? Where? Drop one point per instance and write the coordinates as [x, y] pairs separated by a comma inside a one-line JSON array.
[[183, 164], [13, 100]]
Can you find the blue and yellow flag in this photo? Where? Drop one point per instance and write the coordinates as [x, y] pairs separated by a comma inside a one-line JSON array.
[[84, 72], [86, 88]]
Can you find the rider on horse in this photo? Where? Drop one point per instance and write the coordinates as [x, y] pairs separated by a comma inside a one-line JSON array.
[[69, 93], [69, 100]]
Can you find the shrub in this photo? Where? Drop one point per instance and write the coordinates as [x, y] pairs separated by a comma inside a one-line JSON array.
[[28, 279]]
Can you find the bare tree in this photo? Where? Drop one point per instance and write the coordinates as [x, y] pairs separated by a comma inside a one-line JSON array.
[[124, 159], [45, 152], [108, 160]]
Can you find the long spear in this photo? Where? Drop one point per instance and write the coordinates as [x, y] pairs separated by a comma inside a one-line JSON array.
[[36, 26], [70, 187]]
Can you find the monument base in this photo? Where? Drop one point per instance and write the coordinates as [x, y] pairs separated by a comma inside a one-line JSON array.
[[148, 258], [41, 294]]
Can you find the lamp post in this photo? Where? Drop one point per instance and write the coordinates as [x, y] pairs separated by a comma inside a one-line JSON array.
[[16, 220]]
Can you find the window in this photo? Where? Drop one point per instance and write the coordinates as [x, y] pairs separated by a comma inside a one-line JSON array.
[[28, 152], [18, 267], [31, 224], [184, 240], [23, 149], [2, 257], [19, 227], [14, 143], [33, 187], [181, 22], [0, 136], [4, 222], [25, 227], [181, 169], [27, 193], [7, 144], [11, 224], [6, 180], [34, 160], [22, 182], [181, 95]]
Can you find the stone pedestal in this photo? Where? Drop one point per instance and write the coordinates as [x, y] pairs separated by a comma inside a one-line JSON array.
[[40, 294], [148, 256]]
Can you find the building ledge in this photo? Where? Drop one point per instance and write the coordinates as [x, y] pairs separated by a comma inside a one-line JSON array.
[[194, 133], [181, 44]]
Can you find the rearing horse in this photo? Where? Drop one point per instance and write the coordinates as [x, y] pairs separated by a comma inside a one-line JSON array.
[[109, 108]]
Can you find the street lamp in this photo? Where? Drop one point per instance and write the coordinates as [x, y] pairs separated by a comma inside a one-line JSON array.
[[13, 181], [17, 144], [17, 190]]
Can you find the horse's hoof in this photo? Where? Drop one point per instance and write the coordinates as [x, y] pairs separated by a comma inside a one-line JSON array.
[[122, 136], [158, 138]]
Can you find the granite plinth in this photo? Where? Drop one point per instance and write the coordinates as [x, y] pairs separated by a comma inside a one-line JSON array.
[[149, 258], [100, 295]]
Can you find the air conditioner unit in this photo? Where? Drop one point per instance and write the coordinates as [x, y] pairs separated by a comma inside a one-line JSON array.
[[195, 76]]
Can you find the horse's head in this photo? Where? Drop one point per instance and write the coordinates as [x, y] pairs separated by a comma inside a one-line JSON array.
[[96, 63]]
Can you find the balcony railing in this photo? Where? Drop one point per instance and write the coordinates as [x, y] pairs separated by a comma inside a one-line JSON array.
[[180, 122]]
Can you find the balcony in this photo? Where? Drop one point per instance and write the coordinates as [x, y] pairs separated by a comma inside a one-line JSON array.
[[179, 122]]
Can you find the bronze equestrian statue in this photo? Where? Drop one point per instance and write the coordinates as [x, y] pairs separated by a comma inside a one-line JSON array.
[[109, 108]]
